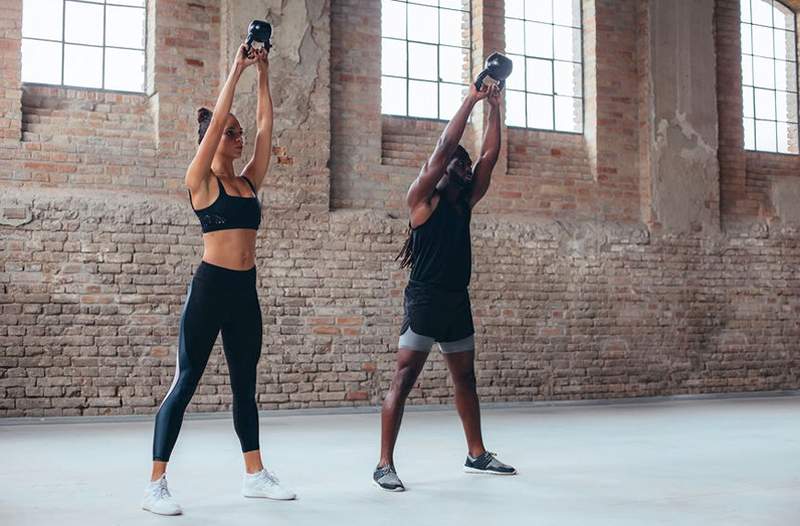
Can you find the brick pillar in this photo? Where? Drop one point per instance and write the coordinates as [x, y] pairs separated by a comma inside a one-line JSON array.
[[488, 36], [355, 98], [10, 75], [732, 158], [184, 53], [683, 170]]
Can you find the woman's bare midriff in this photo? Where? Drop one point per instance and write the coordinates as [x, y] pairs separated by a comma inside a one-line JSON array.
[[233, 249]]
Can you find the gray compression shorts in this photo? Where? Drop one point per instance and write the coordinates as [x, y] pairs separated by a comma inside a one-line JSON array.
[[417, 342]]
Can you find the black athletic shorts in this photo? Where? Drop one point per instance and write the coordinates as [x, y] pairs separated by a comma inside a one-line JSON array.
[[437, 314]]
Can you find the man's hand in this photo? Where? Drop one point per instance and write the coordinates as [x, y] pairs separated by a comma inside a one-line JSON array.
[[494, 97], [478, 94]]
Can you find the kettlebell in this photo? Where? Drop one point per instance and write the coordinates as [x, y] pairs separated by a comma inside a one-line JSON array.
[[497, 69], [259, 31]]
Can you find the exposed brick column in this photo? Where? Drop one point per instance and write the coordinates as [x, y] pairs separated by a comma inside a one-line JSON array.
[[10, 74], [610, 95], [185, 77], [488, 36], [355, 99], [732, 159]]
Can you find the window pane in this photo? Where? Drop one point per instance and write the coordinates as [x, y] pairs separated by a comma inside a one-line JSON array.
[[451, 27], [787, 138], [747, 70], [765, 104], [747, 43], [425, 2], [515, 8], [764, 72], [539, 10], [569, 114], [134, 3], [422, 99], [515, 36], [450, 97], [455, 4], [567, 43], [568, 79], [393, 57], [786, 106], [515, 108], [41, 61], [125, 27], [540, 111], [393, 19], [517, 78], [762, 12], [83, 23], [42, 19], [766, 136], [567, 12], [749, 134], [783, 16], [452, 64], [745, 10], [423, 23], [763, 41], [784, 45], [539, 76], [538, 40], [785, 76], [83, 66], [393, 96], [748, 109], [124, 69], [421, 61]]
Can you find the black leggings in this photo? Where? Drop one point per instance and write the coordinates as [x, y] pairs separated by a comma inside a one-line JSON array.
[[218, 299]]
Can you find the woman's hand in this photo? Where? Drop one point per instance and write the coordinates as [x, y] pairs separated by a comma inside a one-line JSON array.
[[262, 60], [243, 58]]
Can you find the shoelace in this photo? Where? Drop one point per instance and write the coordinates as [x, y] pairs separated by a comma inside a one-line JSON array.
[[270, 476], [385, 470], [161, 491]]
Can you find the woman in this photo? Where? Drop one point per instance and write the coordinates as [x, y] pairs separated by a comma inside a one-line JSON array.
[[222, 295]]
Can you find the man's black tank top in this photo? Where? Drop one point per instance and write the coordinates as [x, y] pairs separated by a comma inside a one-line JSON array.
[[441, 248]]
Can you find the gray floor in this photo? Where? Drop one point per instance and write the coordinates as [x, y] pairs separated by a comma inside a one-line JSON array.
[[707, 462]]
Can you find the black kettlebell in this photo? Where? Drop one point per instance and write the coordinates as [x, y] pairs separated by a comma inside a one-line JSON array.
[[259, 31], [497, 69]]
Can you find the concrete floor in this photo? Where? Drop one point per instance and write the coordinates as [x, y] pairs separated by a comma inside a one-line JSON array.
[[701, 462]]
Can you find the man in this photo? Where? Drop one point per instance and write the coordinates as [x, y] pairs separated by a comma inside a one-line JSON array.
[[437, 306]]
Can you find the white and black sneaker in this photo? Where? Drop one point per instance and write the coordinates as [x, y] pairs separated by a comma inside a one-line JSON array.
[[488, 463], [385, 477]]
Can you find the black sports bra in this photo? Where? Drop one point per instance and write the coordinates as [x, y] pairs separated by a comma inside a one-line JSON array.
[[229, 211]]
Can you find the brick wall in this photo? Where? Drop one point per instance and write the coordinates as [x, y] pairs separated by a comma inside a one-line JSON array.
[[576, 294]]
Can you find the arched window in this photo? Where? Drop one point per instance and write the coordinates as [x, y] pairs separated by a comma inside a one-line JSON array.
[[544, 39], [425, 59], [85, 43], [769, 76]]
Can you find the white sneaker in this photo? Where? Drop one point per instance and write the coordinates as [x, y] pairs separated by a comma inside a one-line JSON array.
[[265, 485], [157, 498]]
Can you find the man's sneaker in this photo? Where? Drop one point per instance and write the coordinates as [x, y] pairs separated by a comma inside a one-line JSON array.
[[386, 478], [487, 463], [265, 485], [157, 498]]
